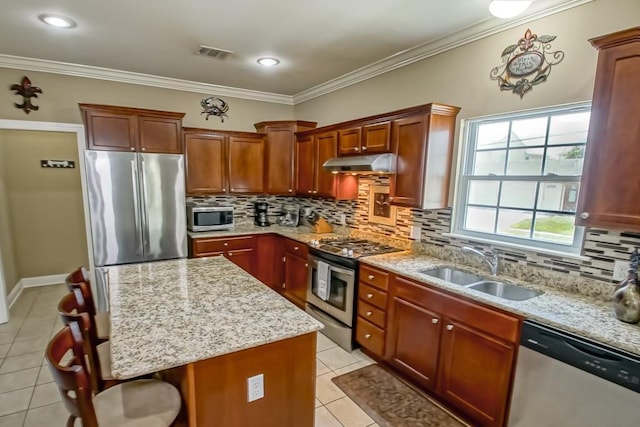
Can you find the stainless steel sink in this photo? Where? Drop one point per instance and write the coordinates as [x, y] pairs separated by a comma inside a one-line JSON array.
[[452, 275], [505, 290]]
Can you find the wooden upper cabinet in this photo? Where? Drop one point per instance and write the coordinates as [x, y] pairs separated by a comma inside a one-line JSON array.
[[305, 166], [246, 163], [423, 145], [280, 154], [349, 141], [205, 162], [114, 128], [160, 135], [609, 191], [326, 148], [376, 138]]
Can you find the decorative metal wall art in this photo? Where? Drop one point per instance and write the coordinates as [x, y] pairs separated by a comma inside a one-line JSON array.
[[27, 92], [529, 60], [214, 106]]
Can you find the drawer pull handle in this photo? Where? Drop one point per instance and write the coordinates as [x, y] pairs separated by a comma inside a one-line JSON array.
[[226, 244], [434, 321], [367, 336], [449, 327], [370, 277], [295, 248], [230, 253], [369, 313], [364, 148], [369, 296]]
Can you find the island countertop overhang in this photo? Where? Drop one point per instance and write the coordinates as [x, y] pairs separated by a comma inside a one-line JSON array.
[[171, 313]]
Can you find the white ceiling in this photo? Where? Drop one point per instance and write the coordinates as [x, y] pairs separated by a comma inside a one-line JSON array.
[[316, 41]]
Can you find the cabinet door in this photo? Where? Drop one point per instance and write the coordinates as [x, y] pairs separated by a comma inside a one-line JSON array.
[[268, 263], [475, 372], [205, 164], [246, 164], [349, 141], [280, 155], [243, 258], [413, 341], [609, 193], [111, 131], [160, 135], [376, 138], [326, 148], [295, 279], [409, 144], [305, 166]]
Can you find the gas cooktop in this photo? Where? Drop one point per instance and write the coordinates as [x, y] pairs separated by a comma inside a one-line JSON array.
[[352, 248]]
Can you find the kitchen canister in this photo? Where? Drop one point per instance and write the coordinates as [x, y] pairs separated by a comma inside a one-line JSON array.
[[626, 298]]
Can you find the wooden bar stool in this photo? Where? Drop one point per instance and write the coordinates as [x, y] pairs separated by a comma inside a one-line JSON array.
[[73, 308], [143, 403], [100, 320]]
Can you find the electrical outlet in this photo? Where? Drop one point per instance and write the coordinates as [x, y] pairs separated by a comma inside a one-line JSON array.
[[620, 270], [255, 387], [307, 211], [414, 233], [343, 219]]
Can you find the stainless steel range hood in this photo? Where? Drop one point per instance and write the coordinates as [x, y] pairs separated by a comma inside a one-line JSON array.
[[371, 163]]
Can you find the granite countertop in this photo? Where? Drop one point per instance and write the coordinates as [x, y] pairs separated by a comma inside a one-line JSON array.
[[580, 314], [171, 313]]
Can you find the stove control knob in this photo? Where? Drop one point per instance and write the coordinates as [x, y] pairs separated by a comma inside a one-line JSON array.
[[345, 251]]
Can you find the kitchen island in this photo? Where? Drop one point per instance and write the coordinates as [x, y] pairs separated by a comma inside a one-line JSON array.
[[208, 326]]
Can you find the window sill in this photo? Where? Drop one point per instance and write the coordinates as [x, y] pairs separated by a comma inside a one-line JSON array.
[[497, 244]]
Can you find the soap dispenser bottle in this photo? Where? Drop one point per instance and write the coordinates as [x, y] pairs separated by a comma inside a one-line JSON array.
[[626, 298]]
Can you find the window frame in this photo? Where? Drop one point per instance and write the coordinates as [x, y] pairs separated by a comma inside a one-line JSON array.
[[466, 157]]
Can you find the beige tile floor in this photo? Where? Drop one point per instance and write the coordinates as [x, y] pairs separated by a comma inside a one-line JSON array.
[[29, 398]]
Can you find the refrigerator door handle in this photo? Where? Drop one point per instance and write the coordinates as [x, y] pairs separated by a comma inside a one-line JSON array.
[[145, 199], [136, 207]]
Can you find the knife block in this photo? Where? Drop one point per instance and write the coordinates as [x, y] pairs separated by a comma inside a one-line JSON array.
[[322, 226]]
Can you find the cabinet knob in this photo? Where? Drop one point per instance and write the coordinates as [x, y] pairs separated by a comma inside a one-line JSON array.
[[367, 336], [284, 286], [290, 190], [226, 244], [132, 149], [369, 313], [584, 215], [314, 192], [233, 189], [230, 253], [309, 191], [284, 259], [144, 149], [434, 321], [369, 296], [295, 248], [449, 327], [306, 264], [370, 277], [364, 148], [356, 149], [224, 190]]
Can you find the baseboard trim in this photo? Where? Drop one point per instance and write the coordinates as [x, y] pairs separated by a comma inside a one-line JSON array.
[[32, 282]]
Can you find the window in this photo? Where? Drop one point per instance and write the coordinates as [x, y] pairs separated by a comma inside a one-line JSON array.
[[520, 178]]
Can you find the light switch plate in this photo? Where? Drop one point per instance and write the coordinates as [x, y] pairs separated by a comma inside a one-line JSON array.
[[620, 270], [255, 387], [414, 232]]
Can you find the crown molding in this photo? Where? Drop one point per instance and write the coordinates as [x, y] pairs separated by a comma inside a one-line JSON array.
[[90, 72], [471, 34]]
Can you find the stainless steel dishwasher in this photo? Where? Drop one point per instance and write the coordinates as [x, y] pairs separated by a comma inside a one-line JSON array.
[[565, 380]]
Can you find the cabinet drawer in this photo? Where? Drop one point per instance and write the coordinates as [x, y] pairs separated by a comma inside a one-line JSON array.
[[372, 314], [374, 277], [373, 296], [370, 337], [203, 246], [295, 247]]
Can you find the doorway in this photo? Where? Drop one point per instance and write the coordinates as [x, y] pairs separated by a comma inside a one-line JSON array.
[[78, 131]]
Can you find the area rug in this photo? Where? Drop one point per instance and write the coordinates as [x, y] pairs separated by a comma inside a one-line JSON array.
[[392, 403]]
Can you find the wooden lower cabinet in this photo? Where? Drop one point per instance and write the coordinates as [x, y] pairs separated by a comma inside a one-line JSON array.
[[238, 249], [461, 351], [414, 341], [296, 270], [475, 372], [268, 267]]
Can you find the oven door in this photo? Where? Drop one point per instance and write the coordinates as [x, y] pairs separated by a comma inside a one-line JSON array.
[[339, 303]]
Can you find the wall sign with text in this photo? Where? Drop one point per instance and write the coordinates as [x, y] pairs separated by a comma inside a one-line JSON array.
[[526, 63]]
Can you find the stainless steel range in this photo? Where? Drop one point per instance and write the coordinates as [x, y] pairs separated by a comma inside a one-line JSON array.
[[333, 284]]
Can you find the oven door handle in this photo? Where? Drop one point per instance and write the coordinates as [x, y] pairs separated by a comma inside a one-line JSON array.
[[341, 270]]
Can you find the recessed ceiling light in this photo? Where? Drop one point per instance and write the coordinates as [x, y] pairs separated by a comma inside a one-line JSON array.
[[268, 61], [57, 21], [508, 8]]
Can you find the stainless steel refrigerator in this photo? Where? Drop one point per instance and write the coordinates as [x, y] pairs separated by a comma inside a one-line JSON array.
[[137, 208]]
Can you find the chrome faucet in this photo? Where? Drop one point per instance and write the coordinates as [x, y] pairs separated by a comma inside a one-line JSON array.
[[493, 260]]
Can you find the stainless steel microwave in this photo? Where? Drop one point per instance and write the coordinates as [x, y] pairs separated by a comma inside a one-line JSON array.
[[209, 218]]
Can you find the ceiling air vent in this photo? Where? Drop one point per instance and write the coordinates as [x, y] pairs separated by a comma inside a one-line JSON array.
[[213, 52]]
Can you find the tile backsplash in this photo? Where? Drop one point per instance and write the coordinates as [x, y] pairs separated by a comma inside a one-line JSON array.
[[602, 247]]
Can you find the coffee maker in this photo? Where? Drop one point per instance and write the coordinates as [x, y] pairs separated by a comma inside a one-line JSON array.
[[260, 218]]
